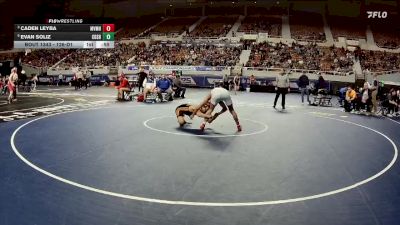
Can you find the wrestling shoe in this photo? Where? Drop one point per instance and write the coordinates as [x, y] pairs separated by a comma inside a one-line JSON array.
[[212, 118], [239, 128], [202, 126]]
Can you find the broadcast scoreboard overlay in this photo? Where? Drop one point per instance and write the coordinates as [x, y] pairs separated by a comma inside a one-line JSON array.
[[64, 33]]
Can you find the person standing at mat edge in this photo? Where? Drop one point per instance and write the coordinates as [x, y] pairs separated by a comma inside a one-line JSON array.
[[12, 85], [304, 84], [219, 96], [282, 87]]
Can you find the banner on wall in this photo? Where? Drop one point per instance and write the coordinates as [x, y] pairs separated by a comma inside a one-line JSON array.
[[202, 81], [132, 67], [188, 81], [43, 79], [177, 68], [137, 68], [166, 67], [213, 80], [210, 68]]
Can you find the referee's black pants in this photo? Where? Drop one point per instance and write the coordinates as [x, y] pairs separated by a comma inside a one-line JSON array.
[[282, 91]]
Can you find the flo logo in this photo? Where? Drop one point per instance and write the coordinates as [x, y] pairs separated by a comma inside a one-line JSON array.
[[377, 14]]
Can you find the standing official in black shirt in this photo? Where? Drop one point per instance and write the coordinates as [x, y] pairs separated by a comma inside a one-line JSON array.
[[304, 84]]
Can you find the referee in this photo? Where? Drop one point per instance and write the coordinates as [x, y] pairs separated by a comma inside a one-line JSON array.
[[282, 87]]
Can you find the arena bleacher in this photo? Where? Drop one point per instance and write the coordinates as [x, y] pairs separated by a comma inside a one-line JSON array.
[[188, 11], [181, 54], [45, 57], [307, 26], [309, 57], [217, 26], [132, 27], [101, 57], [274, 10], [262, 24], [374, 61], [224, 10], [386, 33], [348, 27], [175, 26], [8, 56]]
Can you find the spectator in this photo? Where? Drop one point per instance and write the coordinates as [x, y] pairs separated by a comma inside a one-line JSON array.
[[85, 80], [74, 81], [180, 90], [252, 79], [365, 97], [23, 78], [123, 86], [34, 81], [141, 77], [5, 85], [149, 85], [12, 85], [2, 84], [304, 84], [79, 79], [225, 81], [374, 94], [236, 83], [51, 80], [164, 86], [351, 98], [88, 76], [342, 95], [321, 84], [60, 79], [393, 102]]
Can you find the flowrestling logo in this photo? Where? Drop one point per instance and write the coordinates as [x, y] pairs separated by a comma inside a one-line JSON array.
[[377, 14]]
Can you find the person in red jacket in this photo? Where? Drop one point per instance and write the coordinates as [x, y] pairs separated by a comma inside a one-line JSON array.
[[123, 86]]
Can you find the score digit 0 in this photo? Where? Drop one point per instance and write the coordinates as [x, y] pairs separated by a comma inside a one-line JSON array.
[[108, 28], [108, 36]]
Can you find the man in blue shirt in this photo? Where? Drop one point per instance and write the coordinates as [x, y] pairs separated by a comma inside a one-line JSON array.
[[304, 84], [342, 95], [164, 86]]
